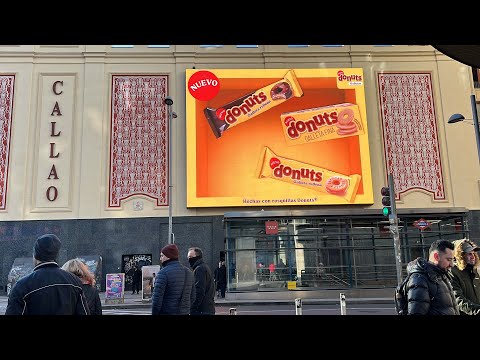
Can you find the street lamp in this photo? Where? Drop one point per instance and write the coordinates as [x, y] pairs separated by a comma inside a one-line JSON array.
[[171, 115], [459, 117]]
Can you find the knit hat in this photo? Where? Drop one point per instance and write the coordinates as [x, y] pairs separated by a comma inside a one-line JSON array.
[[47, 247], [170, 251]]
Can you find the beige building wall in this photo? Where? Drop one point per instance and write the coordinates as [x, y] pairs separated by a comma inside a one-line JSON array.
[[86, 72]]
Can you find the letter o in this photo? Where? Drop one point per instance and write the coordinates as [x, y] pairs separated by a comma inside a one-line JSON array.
[[49, 193]]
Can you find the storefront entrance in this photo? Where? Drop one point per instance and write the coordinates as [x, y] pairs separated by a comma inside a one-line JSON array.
[[327, 252]]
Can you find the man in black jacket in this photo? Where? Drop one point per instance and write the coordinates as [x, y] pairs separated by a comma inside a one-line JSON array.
[[429, 290], [466, 280], [204, 303], [48, 290]]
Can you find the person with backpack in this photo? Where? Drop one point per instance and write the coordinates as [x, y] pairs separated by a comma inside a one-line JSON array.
[[428, 290], [466, 279]]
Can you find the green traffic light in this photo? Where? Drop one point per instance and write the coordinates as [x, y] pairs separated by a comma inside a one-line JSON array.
[[386, 211]]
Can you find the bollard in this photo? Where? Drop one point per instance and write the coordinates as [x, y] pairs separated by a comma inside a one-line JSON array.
[[298, 306], [343, 305], [233, 311]]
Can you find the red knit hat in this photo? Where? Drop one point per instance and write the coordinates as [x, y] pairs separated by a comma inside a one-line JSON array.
[[170, 251]]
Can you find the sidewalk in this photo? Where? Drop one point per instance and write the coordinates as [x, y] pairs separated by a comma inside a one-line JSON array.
[[352, 296]]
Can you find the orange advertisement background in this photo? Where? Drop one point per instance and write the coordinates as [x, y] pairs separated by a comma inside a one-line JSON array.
[[227, 167]]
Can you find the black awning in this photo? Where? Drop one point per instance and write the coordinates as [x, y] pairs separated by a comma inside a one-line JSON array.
[[466, 54]]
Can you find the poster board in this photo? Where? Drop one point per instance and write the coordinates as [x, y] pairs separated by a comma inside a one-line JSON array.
[[128, 264], [94, 263], [115, 288], [21, 267], [147, 281], [306, 130]]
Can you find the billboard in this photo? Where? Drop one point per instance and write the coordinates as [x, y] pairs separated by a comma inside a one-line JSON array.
[[277, 137]]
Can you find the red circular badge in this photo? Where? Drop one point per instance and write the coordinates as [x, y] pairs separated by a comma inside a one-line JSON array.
[[203, 85], [274, 162]]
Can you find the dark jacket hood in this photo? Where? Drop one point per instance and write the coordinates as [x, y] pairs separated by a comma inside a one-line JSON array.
[[423, 266]]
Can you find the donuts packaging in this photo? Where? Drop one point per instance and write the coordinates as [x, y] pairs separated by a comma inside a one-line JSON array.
[[322, 123], [253, 104], [310, 176]]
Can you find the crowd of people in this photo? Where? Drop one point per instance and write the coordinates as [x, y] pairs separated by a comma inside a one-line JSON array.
[[448, 282], [70, 289], [445, 283]]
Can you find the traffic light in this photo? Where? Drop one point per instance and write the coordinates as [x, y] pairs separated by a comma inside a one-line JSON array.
[[386, 202], [388, 199]]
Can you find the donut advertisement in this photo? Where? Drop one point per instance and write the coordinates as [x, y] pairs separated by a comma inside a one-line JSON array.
[[277, 137]]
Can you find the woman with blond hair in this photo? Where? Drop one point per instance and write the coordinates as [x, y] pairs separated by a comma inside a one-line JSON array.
[[78, 268]]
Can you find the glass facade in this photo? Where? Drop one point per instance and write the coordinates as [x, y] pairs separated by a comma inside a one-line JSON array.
[[328, 252]]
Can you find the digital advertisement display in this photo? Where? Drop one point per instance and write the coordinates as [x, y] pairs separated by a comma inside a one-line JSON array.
[[277, 137]]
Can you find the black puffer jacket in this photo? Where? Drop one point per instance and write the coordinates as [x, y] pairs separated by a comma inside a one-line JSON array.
[[169, 284], [48, 290], [204, 303], [429, 290]]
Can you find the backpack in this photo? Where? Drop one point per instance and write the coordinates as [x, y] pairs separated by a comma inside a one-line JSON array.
[[401, 298]]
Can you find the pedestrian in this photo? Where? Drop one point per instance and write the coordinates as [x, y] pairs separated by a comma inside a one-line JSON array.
[[152, 283], [220, 275], [136, 279], [174, 290], [429, 290], [204, 303], [78, 268], [47, 290], [466, 280]]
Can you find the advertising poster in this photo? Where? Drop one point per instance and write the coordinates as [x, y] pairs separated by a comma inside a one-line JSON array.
[[148, 278], [277, 137], [115, 288]]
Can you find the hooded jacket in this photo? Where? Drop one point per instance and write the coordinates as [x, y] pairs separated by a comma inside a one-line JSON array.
[[466, 281], [429, 290]]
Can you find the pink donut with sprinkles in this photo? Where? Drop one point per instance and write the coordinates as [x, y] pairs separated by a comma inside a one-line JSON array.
[[336, 185]]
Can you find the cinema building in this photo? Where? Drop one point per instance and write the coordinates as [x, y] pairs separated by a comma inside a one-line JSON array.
[[271, 157]]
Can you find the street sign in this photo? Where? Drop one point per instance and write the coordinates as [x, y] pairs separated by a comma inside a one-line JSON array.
[[421, 224], [271, 227]]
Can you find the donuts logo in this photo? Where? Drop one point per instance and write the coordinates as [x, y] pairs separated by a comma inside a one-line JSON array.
[[348, 79], [296, 174], [295, 128], [203, 85], [343, 77], [245, 107]]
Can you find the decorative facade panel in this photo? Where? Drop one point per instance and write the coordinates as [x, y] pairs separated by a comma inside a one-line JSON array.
[[410, 135], [139, 138], [7, 83]]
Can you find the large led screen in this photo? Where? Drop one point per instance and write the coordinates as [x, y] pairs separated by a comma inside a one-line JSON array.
[[273, 137]]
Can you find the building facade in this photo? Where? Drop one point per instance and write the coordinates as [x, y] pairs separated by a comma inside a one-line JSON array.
[[87, 154]]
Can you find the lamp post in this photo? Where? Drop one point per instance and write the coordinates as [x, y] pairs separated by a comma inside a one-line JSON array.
[[459, 117], [171, 115]]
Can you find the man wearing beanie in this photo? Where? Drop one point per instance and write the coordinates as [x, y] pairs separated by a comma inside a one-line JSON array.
[[466, 280], [174, 288], [204, 303], [47, 290]]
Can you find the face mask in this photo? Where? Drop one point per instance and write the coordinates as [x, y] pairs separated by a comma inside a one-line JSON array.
[[192, 260]]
